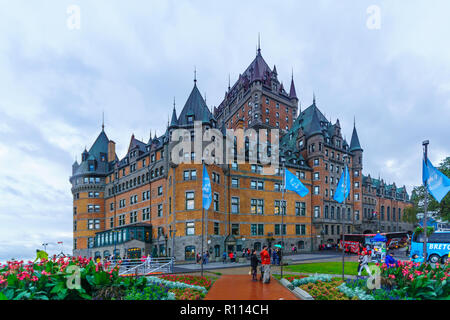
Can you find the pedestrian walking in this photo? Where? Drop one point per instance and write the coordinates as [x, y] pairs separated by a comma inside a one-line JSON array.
[[265, 262], [254, 264], [148, 261], [224, 257], [364, 263], [274, 257]]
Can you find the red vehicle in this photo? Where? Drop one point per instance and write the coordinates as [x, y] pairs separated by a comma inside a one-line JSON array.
[[354, 241]]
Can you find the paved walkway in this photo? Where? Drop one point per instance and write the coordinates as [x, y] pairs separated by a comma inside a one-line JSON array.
[[241, 287]]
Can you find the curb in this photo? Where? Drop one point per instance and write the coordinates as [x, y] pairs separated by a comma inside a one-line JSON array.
[[299, 293]]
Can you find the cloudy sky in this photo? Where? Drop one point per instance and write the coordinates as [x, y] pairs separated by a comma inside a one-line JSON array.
[[131, 58]]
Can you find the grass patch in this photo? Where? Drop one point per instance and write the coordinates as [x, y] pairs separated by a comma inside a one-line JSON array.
[[351, 268]]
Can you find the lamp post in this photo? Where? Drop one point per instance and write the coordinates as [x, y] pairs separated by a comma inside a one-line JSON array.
[[425, 236], [45, 246], [173, 239], [283, 210], [343, 226]]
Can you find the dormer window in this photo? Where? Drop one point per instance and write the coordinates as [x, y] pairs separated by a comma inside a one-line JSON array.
[[300, 144], [92, 167], [190, 119]]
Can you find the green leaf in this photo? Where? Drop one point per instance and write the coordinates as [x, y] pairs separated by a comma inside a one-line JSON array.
[[3, 296]]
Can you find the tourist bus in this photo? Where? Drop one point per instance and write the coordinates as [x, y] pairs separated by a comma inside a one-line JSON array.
[[353, 241], [438, 246]]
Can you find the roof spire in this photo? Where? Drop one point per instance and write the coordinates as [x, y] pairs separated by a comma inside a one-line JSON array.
[[259, 43], [314, 98], [229, 82], [103, 120], [195, 75], [292, 93], [354, 122]]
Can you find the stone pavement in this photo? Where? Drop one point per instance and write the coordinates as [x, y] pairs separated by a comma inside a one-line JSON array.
[[241, 287]]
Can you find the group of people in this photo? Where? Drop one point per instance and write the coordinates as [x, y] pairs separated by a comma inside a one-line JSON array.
[[264, 260], [204, 257]]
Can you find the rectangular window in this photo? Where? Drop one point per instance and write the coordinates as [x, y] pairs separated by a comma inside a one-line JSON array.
[[216, 202], [190, 200], [316, 212], [160, 191], [300, 209], [160, 210], [300, 229], [257, 206], [316, 189], [216, 228], [278, 229], [257, 229], [235, 229], [235, 205], [190, 228], [235, 183], [278, 207]]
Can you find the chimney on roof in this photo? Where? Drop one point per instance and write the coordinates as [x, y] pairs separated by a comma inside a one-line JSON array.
[[111, 151]]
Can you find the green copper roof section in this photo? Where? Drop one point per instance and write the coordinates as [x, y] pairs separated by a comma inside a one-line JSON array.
[[174, 120], [100, 146], [195, 106]]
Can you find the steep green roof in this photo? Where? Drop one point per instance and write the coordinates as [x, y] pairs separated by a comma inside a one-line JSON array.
[[196, 106], [354, 143]]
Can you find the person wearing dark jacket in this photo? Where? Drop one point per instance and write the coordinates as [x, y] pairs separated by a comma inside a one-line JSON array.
[[254, 261]]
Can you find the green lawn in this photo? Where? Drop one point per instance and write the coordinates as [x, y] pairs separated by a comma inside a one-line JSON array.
[[351, 268]]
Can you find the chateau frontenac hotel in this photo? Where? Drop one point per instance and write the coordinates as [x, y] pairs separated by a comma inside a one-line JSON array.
[[146, 203]]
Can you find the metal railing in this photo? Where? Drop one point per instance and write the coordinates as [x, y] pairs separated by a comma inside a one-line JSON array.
[[144, 266]]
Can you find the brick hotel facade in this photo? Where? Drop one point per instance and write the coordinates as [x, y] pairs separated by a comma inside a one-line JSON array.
[[145, 203]]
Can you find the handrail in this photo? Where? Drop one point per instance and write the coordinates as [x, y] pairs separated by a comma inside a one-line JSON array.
[[142, 266]]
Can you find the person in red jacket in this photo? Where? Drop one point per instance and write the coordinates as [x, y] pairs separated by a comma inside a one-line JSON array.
[[265, 262]]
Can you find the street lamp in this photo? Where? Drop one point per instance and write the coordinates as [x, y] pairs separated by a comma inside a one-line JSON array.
[[45, 246]]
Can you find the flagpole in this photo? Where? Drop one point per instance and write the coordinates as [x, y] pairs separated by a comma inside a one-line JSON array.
[[343, 216], [203, 214], [282, 205], [425, 235]]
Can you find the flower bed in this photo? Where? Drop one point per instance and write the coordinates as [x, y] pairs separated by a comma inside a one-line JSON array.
[[187, 294], [291, 278], [320, 287], [404, 281], [325, 290], [205, 282], [83, 279], [418, 280]]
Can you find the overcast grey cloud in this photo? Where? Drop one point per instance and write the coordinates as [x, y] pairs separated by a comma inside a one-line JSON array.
[[131, 58]]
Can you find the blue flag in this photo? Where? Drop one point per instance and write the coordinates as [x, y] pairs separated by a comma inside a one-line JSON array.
[[206, 189], [438, 184], [340, 193], [291, 182]]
